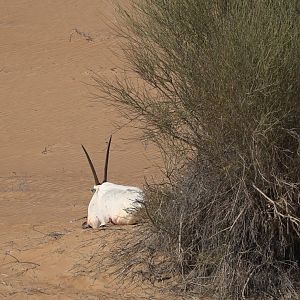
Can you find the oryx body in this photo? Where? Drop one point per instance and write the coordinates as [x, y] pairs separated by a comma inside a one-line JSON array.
[[111, 203]]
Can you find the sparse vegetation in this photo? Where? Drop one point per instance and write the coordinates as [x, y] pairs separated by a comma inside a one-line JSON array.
[[215, 84]]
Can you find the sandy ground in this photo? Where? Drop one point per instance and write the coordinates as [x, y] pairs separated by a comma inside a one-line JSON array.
[[47, 49]]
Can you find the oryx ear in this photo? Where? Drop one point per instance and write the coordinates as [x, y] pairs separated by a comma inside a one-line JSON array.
[[97, 182], [106, 160]]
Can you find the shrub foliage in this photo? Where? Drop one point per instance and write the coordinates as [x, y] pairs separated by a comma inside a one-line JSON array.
[[215, 84]]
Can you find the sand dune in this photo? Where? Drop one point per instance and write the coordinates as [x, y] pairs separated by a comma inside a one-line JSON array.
[[47, 50]]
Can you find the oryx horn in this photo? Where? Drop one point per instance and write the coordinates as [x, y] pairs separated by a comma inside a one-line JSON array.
[[91, 165], [106, 160]]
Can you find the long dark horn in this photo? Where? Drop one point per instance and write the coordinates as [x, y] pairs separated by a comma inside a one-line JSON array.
[[106, 160], [97, 182]]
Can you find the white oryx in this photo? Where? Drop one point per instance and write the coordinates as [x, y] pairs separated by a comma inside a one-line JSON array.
[[111, 203]]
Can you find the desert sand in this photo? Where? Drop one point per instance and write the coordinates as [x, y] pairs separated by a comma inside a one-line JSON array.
[[48, 50]]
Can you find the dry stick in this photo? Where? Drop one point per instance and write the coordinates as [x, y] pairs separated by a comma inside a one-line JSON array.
[[81, 33], [247, 281], [53, 234], [22, 262], [74, 220], [241, 212], [33, 228], [103, 228], [236, 219], [30, 291], [181, 250], [294, 220]]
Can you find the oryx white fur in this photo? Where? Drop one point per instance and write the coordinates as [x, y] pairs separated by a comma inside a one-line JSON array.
[[111, 203]]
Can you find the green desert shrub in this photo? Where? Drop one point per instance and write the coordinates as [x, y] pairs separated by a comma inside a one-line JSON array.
[[215, 85]]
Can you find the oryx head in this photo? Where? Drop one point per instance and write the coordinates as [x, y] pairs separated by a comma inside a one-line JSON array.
[[97, 182]]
